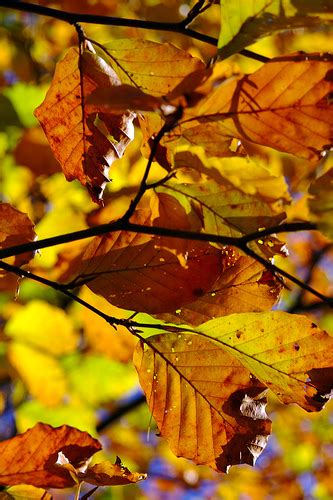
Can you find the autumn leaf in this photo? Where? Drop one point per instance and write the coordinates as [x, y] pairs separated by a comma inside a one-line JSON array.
[[108, 474], [243, 22], [320, 202], [287, 352], [34, 367], [224, 209], [31, 457], [145, 273], [25, 492], [243, 286], [285, 105], [85, 144], [28, 325], [156, 69], [206, 404], [16, 228]]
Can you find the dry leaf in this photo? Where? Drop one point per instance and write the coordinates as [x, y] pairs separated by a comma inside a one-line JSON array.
[[31, 457]]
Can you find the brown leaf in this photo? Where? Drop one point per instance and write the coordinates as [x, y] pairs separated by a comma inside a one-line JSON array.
[[108, 474], [85, 142], [145, 273], [206, 404], [31, 457], [244, 286], [285, 104]]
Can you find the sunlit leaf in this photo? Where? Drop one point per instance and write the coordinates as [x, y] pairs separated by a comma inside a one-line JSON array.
[[287, 352], [285, 105], [109, 474], [31, 457], [97, 379], [156, 69], [243, 22], [85, 144], [23, 491], [43, 326], [224, 209], [206, 404], [41, 372]]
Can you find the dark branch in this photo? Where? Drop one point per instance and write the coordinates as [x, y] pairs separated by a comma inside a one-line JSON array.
[[120, 225]]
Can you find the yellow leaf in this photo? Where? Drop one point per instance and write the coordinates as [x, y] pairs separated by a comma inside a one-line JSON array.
[[157, 69], [108, 474], [243, 22], [287, 352], [43, 326], [41, 373], [25, 492]]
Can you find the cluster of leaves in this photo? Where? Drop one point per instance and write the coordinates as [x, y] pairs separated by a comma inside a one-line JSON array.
[[182, 244]]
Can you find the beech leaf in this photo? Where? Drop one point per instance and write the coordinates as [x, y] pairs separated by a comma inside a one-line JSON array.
[[145, 273], [243, 286], [156, 69], [243, 22], [206, 404], [31, 457], [25, 492], [285, 105], [85, 142], [287, 352], [108, 474]]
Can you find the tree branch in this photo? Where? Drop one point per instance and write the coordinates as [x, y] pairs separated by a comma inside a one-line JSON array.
[[74, 17], [123, 225]]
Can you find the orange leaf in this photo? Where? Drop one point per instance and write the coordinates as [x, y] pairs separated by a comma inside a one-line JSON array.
[[85, 142], [108, 474], [31, 457], [285, 104], [206, 404]]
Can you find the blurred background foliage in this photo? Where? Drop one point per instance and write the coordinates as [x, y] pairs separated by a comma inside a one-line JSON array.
[[62, 364]]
